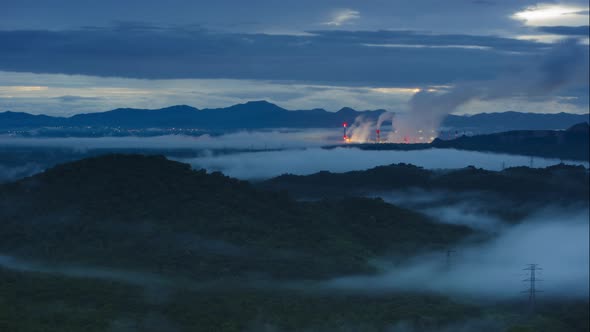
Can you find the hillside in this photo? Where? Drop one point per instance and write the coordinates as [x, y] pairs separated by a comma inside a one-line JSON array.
[[569, 144], [110, 210], [507, 121], [140, 243], [572, 143], [518, 187]]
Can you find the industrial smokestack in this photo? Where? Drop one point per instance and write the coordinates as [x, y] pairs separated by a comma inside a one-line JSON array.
[[344, 125]]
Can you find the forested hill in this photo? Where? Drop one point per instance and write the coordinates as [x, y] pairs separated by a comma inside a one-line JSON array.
[[573, 143], [138, 243], [559, 183], [149, 213]]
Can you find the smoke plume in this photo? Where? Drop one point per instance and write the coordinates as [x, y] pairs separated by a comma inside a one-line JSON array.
[[564, 64]]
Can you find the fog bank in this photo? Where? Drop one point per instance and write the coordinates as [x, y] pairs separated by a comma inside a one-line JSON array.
[[556, 240], [266, 164], [260, 139], [265, 154], [478, 210]]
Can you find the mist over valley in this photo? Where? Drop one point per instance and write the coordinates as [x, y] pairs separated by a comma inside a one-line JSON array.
[[301, 166]]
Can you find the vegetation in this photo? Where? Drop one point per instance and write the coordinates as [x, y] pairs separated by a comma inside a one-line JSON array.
[[44, 302], [141, 243], [111, 210], [572, 143], [559, 183]]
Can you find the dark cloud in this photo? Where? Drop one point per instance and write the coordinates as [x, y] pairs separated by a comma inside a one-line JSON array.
[[144, 51], [583, 30], [231, 15]]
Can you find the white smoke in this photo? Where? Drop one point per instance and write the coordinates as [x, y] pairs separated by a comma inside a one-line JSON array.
[[364, 130], [566, 63], [361, 131], [385, 117]]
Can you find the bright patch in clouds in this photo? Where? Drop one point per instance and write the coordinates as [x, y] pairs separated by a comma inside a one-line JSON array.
[[542, 38], [343, 16], [22, 88], [58, 94], [553, 15], [397, 90], [64, 95]]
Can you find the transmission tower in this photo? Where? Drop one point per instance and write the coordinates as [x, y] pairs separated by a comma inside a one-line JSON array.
[[532, 282]]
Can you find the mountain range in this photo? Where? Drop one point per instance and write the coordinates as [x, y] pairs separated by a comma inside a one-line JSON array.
[[262, 114], [250, 115]]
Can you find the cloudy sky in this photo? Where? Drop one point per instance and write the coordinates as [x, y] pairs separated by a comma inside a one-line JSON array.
[[63, 57]]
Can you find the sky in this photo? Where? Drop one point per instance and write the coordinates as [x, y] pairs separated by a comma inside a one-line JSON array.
[[64, 57]]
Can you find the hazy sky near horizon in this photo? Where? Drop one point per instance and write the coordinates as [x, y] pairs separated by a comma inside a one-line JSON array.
[[64, 57]]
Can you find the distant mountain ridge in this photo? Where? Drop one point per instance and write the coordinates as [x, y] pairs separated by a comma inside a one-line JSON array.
[[505, 121], [572, 143], [262, 114], [250, 115]]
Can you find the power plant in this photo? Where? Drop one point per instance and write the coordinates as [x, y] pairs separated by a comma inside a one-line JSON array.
[[363, 132], [344, 126], [346, 138]]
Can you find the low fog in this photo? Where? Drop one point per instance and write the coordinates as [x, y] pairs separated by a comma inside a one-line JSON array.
[[557, 240], [134, 278], [480, 325], [271, 139], [554, 238], [266, 154], [11, 172], [468, 208], [266, 164]]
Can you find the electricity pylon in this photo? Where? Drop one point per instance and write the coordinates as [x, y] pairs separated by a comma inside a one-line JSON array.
[[532, 280]]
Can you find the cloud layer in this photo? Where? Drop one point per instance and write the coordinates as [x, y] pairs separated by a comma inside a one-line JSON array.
[[322, 57], [272, 153], [557, 240], [260, 165]]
